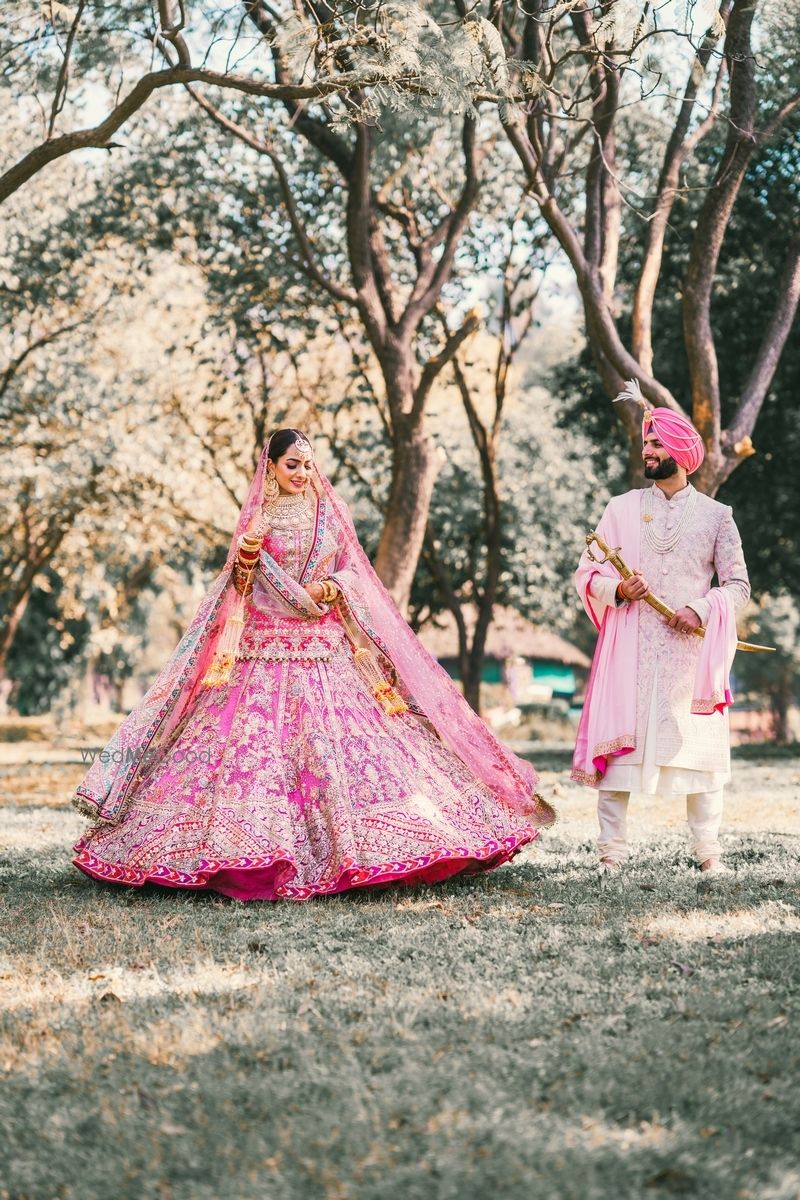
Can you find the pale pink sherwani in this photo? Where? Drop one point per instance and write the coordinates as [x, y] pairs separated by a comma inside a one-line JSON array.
[[676, 746]]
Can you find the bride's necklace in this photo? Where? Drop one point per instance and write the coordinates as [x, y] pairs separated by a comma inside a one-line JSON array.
[[663, 545], [289, 512]]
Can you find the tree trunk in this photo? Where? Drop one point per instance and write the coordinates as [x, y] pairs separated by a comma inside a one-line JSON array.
[[593, 259], [11, 625], [712, 474], [471, 683], [473, 691], [781, 699], [415, 466]]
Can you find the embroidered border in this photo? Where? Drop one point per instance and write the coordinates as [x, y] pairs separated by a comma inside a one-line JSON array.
[[317, 542], [349, 875], [579, 776], [269, 570], [319, 653], [702, 708], [290, 639], [626, 742]]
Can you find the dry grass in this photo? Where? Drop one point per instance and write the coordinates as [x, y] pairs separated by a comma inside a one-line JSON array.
[[524, 1032]]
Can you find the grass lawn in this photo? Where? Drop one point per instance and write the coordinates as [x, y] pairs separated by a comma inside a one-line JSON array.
[[524, 1034]]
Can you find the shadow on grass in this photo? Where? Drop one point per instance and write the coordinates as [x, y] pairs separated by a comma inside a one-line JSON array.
[[528, 1065]]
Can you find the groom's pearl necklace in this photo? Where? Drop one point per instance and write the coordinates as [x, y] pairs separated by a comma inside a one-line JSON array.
[[663, 545]]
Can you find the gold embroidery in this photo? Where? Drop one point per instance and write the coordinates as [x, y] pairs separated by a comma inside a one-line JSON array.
[[590, 779], [703, 707], [283, 640], [603, 749]]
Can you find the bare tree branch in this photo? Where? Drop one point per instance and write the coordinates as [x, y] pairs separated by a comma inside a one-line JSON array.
[[674, 155], [432, 277], [769, 353], [786, 109], [436, 365], [712, 223], [60, 94], [99, 136], [308, 257], [43, 340]]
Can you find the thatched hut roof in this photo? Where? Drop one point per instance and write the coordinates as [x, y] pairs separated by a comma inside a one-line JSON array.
[[510, 634]]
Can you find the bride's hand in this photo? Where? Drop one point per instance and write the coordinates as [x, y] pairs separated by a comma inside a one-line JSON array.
[[315, 592], [256, 520]]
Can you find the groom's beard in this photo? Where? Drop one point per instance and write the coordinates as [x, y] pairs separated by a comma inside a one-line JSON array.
[[664, 470]]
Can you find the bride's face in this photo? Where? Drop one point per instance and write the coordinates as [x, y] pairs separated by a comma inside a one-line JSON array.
[[292, 471]]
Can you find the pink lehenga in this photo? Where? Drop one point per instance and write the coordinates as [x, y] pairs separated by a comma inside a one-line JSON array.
[[285, 773]]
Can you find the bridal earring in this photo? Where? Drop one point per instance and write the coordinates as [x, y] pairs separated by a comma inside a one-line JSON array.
[[271, 489]]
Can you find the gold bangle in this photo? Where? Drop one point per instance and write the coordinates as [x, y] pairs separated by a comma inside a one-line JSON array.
[[243, 582]]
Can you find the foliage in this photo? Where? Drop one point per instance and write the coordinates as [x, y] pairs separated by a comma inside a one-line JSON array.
[[776, 623], [159, 314], [547, 499], [47, 649]]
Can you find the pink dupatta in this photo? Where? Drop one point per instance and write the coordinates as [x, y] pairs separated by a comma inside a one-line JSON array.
[[608, 721], [712, 680], [103, 792]]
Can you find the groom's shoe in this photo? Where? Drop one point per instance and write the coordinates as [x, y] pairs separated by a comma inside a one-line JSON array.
[[608, 867], [713, 866]]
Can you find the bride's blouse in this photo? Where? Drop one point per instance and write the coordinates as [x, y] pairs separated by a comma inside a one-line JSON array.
[[271, 632]]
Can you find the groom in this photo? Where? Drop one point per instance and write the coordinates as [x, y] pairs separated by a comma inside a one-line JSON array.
[[655, 721]]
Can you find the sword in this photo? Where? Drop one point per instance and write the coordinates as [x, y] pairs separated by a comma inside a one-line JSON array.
[[614, 557]]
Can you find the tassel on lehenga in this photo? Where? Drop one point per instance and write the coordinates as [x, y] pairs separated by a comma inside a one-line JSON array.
[[388, 697], [221, 666]]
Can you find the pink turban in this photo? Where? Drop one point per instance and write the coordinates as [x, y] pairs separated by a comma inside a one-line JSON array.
[[677, 435]]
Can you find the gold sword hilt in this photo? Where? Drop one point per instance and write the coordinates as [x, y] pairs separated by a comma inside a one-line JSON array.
[[613, 556]]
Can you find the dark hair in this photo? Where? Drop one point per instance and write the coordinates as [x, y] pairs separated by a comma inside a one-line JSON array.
[[281, 440]]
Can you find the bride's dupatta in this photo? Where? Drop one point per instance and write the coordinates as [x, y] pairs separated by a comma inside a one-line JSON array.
[[422, 683], [372, 622], [103, 793]]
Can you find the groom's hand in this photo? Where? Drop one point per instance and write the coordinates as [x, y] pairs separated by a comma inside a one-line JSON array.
[[315, 592], [635, 588], [685, 620]]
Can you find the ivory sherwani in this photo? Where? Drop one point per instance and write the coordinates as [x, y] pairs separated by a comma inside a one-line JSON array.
[[676, 750]]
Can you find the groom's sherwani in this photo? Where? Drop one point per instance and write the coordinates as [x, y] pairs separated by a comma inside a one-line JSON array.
[[678, 741]]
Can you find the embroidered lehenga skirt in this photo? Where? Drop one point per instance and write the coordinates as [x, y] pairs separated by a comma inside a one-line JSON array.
[[291, 782]]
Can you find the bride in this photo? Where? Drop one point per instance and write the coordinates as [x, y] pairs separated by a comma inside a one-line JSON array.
[[300, 741]]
